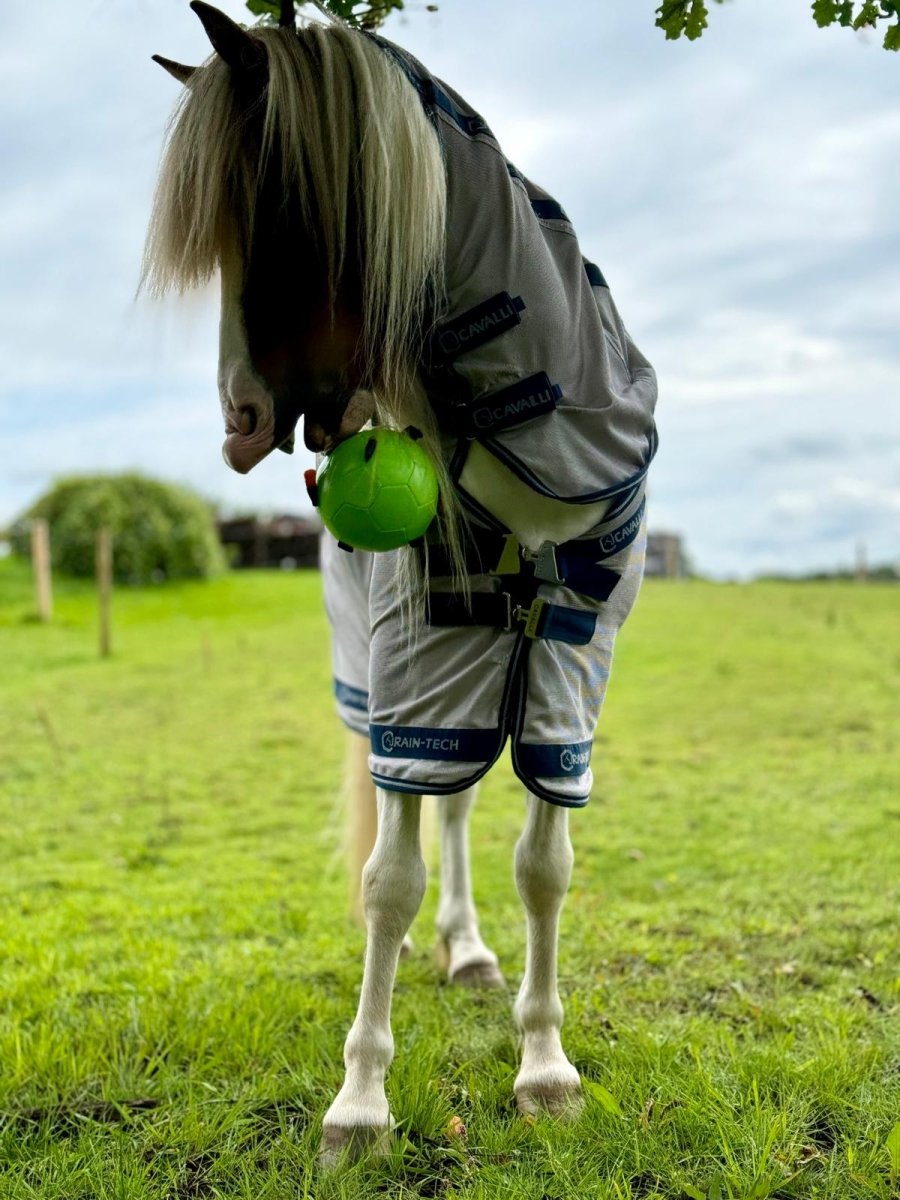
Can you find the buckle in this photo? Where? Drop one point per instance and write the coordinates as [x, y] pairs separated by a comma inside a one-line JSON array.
[[544, 559], [532, 616]]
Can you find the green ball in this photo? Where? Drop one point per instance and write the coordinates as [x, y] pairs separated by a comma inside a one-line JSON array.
[[378, 490]]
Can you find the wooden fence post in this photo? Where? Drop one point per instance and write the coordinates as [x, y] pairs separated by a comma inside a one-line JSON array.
[[104, 588], [40, 561], [862, 565]]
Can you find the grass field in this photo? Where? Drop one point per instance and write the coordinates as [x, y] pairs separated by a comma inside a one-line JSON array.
[[178, 970]]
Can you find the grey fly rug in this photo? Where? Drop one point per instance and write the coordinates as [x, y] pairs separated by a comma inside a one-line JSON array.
[[532, 361]]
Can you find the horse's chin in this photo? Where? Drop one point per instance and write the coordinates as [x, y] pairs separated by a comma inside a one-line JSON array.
[[357, 413]]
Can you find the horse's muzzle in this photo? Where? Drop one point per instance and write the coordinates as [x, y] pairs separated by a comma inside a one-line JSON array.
[[255, 424]]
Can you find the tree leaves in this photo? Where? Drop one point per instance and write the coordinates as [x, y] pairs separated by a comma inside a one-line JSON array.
[[674, 17], [689, 17], [677, 17], [366, 15]]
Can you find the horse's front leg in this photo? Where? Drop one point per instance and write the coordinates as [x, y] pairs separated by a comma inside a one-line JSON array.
[[393, 887], [546, 1079], [465, 957], [363, 820]]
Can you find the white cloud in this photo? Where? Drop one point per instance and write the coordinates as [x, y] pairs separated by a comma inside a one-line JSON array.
[[739, 193]]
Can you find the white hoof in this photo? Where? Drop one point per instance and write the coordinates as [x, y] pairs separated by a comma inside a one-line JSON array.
[[469, 965], [477, 975], [557, 1094], [351, 1142]]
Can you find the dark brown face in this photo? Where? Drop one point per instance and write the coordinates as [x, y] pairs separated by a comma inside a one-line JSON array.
[[304, 348], [287, 348]]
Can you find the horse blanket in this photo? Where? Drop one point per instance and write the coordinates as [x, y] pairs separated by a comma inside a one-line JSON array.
[[439, 712], [531, 359]]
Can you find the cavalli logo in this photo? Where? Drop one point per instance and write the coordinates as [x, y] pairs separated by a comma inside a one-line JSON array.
[[392, 742], [569, 759], [531, 397], [518, 410], [480, 324], [625, 534]]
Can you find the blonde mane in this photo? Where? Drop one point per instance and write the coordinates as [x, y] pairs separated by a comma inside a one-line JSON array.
[[357, 148]]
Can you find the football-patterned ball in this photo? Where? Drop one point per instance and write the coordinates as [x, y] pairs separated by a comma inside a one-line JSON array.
[[377, 490]]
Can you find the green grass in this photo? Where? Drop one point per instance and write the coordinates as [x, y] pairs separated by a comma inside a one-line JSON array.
[[178, 969]]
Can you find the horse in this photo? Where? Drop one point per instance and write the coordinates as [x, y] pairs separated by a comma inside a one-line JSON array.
[[381, 260]]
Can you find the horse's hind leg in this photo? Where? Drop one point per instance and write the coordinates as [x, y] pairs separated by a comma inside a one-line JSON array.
[[393, 887], [465, 957], [362, 814], [546, 1080]]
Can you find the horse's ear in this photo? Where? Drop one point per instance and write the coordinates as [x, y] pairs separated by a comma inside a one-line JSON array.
[[230, 42], [182, 73], [287, 20]]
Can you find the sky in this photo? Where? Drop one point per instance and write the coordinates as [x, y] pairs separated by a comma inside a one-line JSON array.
[[741, 195]]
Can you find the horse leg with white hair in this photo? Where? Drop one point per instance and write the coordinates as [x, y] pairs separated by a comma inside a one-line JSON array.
[[462, 953], [393, 888]]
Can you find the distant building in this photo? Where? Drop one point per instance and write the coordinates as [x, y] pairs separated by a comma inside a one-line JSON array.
[[284, 541], [290, 542], [665, 556]]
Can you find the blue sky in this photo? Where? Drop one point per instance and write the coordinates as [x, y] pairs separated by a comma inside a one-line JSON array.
[[740, 194]]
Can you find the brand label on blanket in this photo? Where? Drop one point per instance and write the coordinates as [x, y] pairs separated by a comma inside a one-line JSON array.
[[619, 538], [523, 401], [449, 745], [480, 324], [554, 762], [573, 758]]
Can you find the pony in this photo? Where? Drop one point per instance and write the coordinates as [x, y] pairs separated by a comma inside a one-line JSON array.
[[380, 260]]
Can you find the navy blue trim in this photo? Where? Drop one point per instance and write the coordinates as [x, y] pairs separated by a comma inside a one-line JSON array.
[[458, 462], [532, 480], [351, 697], [595, 275], [550, 798], [552, 761], [430, 789], [433, 96], [435, 744], [472, 126], [549, 210], [477, 510], [623, 502]]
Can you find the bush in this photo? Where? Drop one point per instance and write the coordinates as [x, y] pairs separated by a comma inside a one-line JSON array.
[[159, 531]]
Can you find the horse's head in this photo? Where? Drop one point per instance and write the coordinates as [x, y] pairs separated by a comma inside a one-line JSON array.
[[298, 168]]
